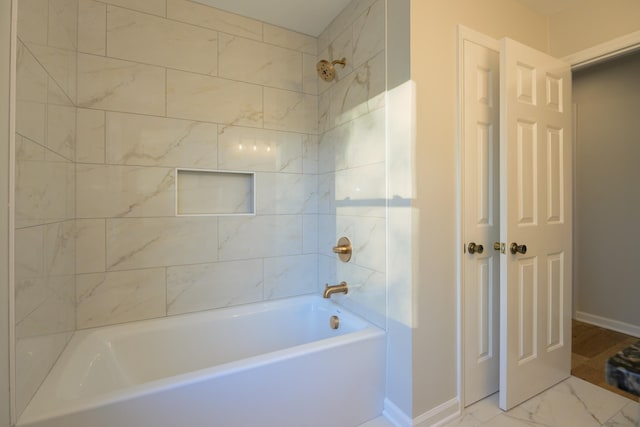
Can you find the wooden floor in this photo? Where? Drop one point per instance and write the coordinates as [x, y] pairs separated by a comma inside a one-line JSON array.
[[592, 346]]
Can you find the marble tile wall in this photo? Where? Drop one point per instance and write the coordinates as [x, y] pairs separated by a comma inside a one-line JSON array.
[[114, 95], [175, 84], [352, 158], [45, 315]]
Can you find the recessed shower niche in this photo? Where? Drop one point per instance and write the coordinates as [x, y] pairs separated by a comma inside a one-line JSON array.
[[212, 192]]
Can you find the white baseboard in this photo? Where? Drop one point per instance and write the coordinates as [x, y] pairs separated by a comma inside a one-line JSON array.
[[614, 325], [440, 415], [395, 414]]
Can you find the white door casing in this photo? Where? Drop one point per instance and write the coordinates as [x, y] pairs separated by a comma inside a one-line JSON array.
[[536, 211], [480, 217]]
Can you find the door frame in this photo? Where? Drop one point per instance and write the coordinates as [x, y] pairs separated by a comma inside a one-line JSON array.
[[604, 51], [596, 54]]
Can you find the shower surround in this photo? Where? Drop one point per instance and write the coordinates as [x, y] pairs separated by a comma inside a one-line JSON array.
[[114, 95]]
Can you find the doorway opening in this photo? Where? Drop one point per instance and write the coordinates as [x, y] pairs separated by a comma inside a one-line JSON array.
[[606, 104], [471, 334]]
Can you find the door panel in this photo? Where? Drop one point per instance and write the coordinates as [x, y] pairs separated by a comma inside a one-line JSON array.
[[481, 273], [535, 210]]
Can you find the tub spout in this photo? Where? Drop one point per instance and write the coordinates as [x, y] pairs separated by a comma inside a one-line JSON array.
[[335, 289]]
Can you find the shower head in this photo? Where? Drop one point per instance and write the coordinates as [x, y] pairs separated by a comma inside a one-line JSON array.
[[327, 70]]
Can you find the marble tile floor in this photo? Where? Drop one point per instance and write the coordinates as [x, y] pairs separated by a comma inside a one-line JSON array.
[[571, 403], [582, 400]]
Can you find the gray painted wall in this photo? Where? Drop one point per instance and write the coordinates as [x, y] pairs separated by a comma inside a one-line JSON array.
[[607, 214]]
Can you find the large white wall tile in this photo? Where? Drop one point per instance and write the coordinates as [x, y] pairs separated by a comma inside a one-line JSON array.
[[310, 153], [255, 62], [310, 234], [154, 7], [327, 274], [90, 246], [376, 69], [52, 301], [34, 358], [57, 96], [242, 148], [90, 137], [361, 191], [63, 24], [271, 235], [216, 19], [27, 150], [92, 27], [206, 286], [329, 233], [327, 193], [324, 105], [345, 19], [29, 256], [157, 242], [44, 189], [107, 191], [367, 288], [290, 111], [370, 241], [211, 99], [309, 74], [290, 276], [358, 93], [156, 141], [45, 279], [61, 130], [290, 39], [369, 33], [59, 249], [152, 40], [31, 120], [284, 193], [364, 143], [356, 143], [60, 64], [113, 84], [31, 77], [33, 17], [121, 296]]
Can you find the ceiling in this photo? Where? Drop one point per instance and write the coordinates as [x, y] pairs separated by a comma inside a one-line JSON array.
[[305, 16], [311, 17]]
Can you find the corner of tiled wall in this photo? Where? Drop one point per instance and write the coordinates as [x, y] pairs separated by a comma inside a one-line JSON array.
[[44, 188], [352, 171]]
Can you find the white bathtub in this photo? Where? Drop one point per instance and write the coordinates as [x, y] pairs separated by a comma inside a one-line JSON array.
[[270, 364]]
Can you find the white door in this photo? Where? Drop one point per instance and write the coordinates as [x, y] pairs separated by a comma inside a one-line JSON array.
[[535, 211], [481, 222]]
